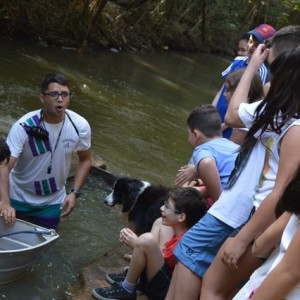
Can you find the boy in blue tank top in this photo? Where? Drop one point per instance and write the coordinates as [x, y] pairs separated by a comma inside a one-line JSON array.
[[213, 156]]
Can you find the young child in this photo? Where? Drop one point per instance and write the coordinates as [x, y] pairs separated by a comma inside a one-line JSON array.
[[199, 246], [6, 211], [242, 49], [151, 267], [186, 174], [257, 36], [274, 114], [255, 93], [213, 156]]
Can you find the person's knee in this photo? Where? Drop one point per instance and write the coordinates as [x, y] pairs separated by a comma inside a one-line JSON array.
[[145, 240]]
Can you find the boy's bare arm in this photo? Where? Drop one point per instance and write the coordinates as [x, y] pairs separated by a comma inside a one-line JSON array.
[[209, 174], [288, 165], [240, 95]]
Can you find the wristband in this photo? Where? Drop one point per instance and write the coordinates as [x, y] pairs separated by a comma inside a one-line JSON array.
[[76, 192]]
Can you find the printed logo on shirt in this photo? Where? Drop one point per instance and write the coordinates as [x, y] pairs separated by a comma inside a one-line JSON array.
[[68, 143], [45, 187]]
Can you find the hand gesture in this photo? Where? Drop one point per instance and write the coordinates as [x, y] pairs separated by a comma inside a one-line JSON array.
[[128, 237], [185, 175], [68, 204], [232, 252], [8, 213], [258, 57]]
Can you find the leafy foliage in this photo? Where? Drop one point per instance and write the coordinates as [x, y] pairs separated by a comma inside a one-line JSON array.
[[212, 25]]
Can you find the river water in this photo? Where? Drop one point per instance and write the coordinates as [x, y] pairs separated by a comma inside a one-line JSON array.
[[137, 106]]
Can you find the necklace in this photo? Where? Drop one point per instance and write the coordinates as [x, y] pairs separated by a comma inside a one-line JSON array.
[[49, 169]]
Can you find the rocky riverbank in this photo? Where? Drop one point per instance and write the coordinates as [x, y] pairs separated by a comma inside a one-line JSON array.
[[93, 275]]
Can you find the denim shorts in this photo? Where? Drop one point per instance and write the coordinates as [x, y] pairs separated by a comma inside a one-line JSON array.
[[157, 287], [199, 246]]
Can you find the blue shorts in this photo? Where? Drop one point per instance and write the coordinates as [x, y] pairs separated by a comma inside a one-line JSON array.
[[199, 246]]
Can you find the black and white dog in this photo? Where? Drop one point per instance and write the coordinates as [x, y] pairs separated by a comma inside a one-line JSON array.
[[140, 199]]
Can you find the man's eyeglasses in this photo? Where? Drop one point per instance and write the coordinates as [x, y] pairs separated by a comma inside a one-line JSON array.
[[55, 95], [169, 207]]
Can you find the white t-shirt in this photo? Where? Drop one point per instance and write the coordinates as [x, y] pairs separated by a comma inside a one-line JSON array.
[[260, 274], [269, 172], [30, 180], [235, 205], [258, 176]]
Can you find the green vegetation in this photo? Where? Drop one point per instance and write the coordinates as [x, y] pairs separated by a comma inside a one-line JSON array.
[[185, 25]]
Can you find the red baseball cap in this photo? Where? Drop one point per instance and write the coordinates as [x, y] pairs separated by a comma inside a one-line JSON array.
[[262, 32]]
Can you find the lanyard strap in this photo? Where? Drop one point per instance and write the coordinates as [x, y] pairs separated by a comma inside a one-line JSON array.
[[55, 146]]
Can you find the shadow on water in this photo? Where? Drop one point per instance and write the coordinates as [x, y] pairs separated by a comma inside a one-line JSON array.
[[137, 106]]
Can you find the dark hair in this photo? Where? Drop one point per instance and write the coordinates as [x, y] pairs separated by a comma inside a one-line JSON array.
[[245, 36], [282, 102], [205, 118], [256, 89], [53, 78], [290, 198], [189, 200], [285, 39], [4, 151]]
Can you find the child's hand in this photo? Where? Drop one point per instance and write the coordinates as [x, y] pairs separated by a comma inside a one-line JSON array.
[[193, 183], [258, 57], [231, 251], [185, 175], [128, 237]]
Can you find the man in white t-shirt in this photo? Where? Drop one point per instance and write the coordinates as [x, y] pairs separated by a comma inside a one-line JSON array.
[[41, 144]]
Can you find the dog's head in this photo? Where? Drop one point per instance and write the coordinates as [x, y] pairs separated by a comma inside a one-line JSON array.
[[125, 192]]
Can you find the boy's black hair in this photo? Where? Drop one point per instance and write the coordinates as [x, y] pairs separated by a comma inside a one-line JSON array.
[[245, 36], [4, 151], [189, 200], [290, 198], [53, 78], [205, 118]]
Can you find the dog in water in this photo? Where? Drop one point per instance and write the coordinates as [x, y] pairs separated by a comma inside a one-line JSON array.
[[140, 200]]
